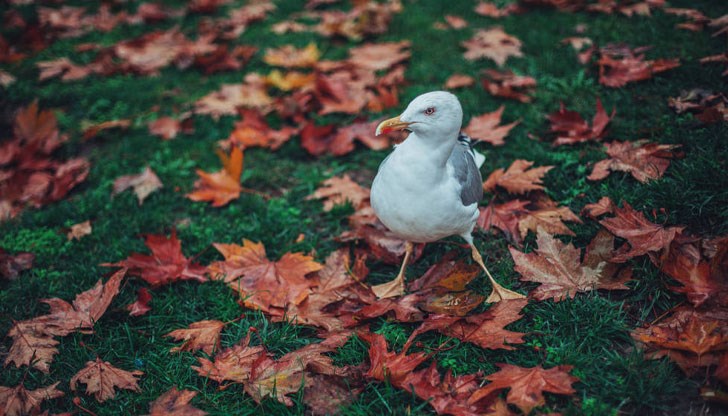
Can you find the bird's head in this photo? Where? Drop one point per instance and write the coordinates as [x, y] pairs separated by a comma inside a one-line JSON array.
[[436, 114]]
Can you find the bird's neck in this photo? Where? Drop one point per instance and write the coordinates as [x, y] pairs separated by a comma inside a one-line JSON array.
[[428, 152]]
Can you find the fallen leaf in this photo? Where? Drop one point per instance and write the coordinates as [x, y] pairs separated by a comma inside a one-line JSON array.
[[548, 216], [620, 66], [571, 128], [327, 395], [389, 366], [165, 265], [486, 330], [289, 56], [102, 379], [339, 190], [504, 217], [141, 305], [254, 131], [642, 236], [506, 84], [518, 179], [11, 265], [459, 81], [223, 186], [692, 339], [18, 401], [175, 403], [379, 56], [80, 230], [201, 335], [528, 384], [292, 80], [486, 8], [493, 44], [264, 284], [232, 364], [93, 130], [144, 184], [456, 22], [485, 127], [33, 342], [643, 160], [561, 272], [168, 128], [226, 101], [604, 206]]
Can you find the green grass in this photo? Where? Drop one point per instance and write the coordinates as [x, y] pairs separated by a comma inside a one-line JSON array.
[[590, 332]]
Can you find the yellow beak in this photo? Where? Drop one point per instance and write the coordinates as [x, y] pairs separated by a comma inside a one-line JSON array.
[[390, 125]]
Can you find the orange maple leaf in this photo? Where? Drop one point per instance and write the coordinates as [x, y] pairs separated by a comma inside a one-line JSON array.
[[338, 190], [101, 379], [494, 44], [223, 186], [201, 335], [175, 403], [518, 179], [528, 384], [485, 127]]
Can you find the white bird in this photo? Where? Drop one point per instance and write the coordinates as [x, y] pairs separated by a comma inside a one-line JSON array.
[[429, 187]]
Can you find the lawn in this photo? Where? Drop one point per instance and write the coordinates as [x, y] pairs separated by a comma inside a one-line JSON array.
[[592, 332]]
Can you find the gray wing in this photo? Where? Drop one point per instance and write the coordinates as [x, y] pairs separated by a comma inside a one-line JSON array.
[[462, 159]]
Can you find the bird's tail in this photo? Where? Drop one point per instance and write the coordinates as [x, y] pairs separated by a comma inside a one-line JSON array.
[[477, 156]]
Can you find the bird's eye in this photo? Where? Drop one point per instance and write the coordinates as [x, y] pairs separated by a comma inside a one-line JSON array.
[[430, 111]]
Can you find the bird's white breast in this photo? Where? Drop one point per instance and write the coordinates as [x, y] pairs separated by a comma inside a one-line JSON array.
[[418, 199]]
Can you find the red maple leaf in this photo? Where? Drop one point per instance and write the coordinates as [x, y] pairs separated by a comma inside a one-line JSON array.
[[165, 265], [571, 128]]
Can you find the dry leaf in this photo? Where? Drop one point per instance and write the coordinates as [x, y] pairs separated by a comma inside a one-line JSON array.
[[518, 179], [459, 81], [645, 161], [12, 264], [202, 335], [102, 379], [144, 184], [175, 403], [141, 305], [80, 230], [222, 186], [338, 190], [485, 127], [18, 401], [506, 84], [493, 44]]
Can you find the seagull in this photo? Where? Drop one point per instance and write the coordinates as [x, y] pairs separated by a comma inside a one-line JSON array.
[[429, 187]]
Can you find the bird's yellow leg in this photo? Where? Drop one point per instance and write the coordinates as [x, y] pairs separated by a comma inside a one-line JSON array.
[[396, 286], [499, 293]]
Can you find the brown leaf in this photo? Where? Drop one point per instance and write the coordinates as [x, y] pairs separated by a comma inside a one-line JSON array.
[[33, 342], [80, 230], [175, 403], [561, 272], [222, 186], [251, 94], [620, 66], [141, 305], [232, 364], [289, 56], [601, 207], [264, 284], [339, 190], [17, 401], [493, 44], [379, 56], [165, 265], [504, 217], [644, 161], [485, 127], [506, 84], [254, 131], [168, 128], [571, 128], [518, 179], [692, 338], [101, 379], [456, 22], [144, 184], [486, 330], [642, 235], [486, 8], [12, 264], [93, 130], [459, 81], [528, 384], [202, 335], [389, 366], [327, 395], [548, 216]]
